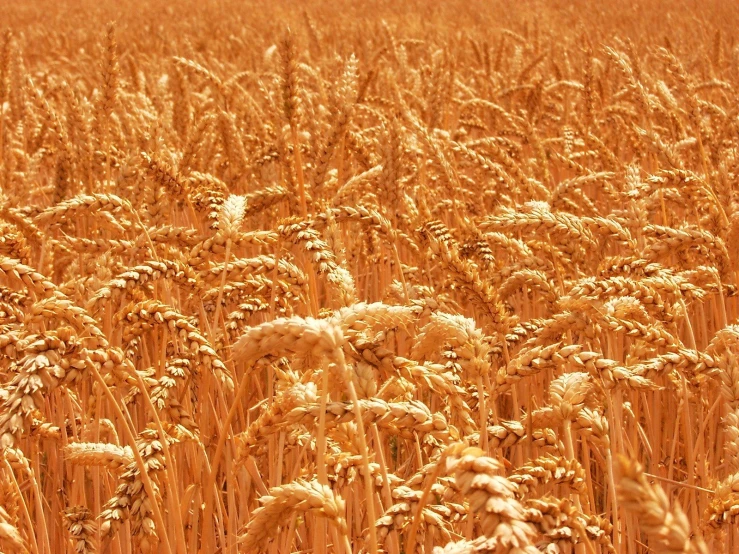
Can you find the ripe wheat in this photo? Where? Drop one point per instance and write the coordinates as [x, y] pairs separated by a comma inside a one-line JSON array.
[[365, 277]]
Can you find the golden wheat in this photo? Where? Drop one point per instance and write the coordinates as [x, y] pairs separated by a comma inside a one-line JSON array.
[[365, 277]]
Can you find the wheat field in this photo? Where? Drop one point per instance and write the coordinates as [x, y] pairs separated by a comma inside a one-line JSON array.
[[362, 277]]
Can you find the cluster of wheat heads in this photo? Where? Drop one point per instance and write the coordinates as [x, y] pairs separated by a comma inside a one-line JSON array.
[[358, 280]]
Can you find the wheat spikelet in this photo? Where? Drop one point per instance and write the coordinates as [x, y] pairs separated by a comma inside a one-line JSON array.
[[81, 528], [666, 523], [302, 496]]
